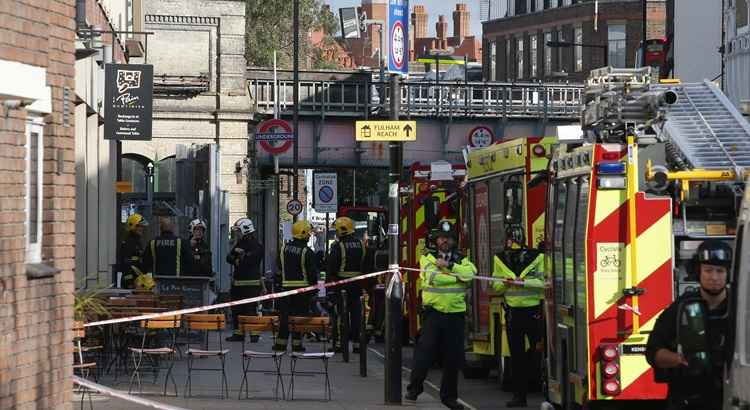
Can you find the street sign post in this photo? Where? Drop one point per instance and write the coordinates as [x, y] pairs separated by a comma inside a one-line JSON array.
[[325, 197], [481, 137], [398, 36], [294, 207], [275, 136], [386, 131]]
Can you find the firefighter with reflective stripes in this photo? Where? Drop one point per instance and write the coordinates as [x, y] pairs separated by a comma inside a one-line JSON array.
[[167, 255], [299, 269], [346, 260], [522, 285], [445, 275], [131, 250], [200, 250], [246, 258]]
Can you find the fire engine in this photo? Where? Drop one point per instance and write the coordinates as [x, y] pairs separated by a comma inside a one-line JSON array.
[[428, 194], [499, 199], [655, 173]]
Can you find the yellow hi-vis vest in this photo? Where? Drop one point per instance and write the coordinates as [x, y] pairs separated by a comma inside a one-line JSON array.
[[442, 292], [528, 295]]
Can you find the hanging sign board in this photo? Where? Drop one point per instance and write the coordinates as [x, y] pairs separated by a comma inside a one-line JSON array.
[[386, 131], [128, 101]]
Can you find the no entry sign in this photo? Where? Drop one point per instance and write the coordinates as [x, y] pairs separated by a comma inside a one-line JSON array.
[[275, 136]]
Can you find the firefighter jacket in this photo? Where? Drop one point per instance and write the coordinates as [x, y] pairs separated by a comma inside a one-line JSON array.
[[246, 257], [525, 265], [131, 257], [200, 259], [167, 255], [298, 265], [441, 291], [346, 259]]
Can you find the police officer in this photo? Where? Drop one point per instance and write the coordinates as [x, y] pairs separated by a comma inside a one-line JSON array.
[[200, 250], [246, 256], [131, 250], [445, 276], [690, 389], [298, 269], [346, 260], [522, 285], [167, 255]]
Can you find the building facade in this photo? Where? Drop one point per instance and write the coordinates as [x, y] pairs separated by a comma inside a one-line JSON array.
[[515, 47], [462, 42], [737, 53], [37, 203]]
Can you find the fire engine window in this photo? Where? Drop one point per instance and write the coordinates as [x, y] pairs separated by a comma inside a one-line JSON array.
[[497, 223], [561, 198], [570, 243], [580, 262], [514, 200]]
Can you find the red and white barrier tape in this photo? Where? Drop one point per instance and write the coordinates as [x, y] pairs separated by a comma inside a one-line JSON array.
[[122, 395], [483, 278], [235, 302]]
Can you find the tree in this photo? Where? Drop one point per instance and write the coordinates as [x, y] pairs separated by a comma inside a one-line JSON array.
[[269, 28]]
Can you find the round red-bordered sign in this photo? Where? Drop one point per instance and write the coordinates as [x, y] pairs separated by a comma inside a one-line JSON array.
[[270, 126], [398, 42], [481, 137]]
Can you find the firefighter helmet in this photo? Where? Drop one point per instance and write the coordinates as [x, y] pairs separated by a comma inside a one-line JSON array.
[[135, 221], [710, 252], [244, 226], [196, 223], [301, 230], [344, 226]]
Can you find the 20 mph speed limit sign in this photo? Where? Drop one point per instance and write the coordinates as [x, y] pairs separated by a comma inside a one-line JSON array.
[[294, 207]]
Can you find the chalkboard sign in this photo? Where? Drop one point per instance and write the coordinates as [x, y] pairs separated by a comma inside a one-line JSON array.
[[194, 290]]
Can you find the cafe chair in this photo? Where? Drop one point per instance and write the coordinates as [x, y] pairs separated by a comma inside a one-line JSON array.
[[81, 366], [304, 325], [207, 323], [249, 324], [158, 346]]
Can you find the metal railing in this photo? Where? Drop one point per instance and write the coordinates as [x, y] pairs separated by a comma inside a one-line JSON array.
[[423, 99]]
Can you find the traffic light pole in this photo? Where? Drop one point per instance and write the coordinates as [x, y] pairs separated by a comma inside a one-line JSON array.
[[394, 292]]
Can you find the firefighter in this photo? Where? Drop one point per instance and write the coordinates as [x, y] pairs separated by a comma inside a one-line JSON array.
[[690, 389], [298, 269], [200, 250], [445, 275], [246, 256], [346, 260], [131, 250], [167, 255], [522, 285]]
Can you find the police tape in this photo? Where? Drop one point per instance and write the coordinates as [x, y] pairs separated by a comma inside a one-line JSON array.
[[121, 395], [517, 282], [237, 302]]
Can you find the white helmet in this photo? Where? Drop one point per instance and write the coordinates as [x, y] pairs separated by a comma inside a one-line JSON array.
[[196, 223], [245, 226]]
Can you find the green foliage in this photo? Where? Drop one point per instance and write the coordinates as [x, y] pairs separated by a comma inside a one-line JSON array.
[[269, 28], [87, 306]]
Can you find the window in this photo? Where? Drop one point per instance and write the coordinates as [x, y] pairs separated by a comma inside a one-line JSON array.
[[742, 14], [580, 263], [547, 54], [514, 201], [533, 55], [552, 4], [539, 5], [560, 51], [497, 215], [578, 50], [569, 243], [616, 45], [34, 182], [558, 258], [508, 59], [493, 61], [519, 57], [565, 3], [166, 175]]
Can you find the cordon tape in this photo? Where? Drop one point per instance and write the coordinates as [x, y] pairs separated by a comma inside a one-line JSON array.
[[122, 395]]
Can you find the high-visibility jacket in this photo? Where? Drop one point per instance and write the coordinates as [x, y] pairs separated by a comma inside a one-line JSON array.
[[346, 258], [167, 255], [529, 267], [441, 291], [246, 257], [298, 265]]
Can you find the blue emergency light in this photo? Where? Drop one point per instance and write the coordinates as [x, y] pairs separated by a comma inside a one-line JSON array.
[[611, 168]]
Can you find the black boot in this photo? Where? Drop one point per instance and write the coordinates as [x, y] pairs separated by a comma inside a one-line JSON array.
[[254, 338], [410, 397], [453, 405], [517, 401]]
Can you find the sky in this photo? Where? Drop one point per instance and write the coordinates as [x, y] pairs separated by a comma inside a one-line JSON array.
[[434, 8]]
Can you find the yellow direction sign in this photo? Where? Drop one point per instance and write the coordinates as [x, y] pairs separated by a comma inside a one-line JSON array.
[[123, 186], [386, 131]]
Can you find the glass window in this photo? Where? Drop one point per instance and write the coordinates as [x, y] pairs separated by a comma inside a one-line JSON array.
[[34, 183], [742, 14], [560, 50], [569, 243], [565, 3], [539, 5], [519, 58], [134, 171], [552, 4], [533, 55], [558, 257], [578, 50], [580, 270], [497, 215], [547, 54], [508, 59], [493, 61], [166, 175], [514, 200], [616, 44]]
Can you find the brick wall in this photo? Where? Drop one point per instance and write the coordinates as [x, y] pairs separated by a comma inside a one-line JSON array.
[[36, 315]]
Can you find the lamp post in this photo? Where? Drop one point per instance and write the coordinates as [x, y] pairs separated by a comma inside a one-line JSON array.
[[568, 44]]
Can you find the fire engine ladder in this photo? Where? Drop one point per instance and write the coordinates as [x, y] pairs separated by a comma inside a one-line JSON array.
[[706, 131]]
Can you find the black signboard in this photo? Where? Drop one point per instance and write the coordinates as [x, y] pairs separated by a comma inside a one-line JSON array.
[[128, 101], [193, 289]]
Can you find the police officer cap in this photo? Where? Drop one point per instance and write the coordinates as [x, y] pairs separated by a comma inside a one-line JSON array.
[[445, 229]]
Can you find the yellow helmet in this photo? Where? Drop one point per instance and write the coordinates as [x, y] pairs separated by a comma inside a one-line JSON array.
[[135, 221], [301, 230], [344, 226], [145, 282]]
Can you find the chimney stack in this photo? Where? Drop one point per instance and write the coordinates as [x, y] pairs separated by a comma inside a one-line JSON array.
[[441, 27], [461, 22], [419, 21]]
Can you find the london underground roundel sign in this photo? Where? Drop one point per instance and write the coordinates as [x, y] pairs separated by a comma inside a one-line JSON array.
[[274, 136]]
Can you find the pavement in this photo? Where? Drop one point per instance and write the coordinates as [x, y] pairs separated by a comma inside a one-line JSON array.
[[350, 390]]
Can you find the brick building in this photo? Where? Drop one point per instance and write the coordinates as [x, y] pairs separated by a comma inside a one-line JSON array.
[[37, 203], [515, 47], [462, 42]]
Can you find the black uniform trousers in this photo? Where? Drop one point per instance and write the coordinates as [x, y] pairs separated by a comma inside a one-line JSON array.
[[442, 336], [354, 307], [248, 309], [523, 323], [295, 305]]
